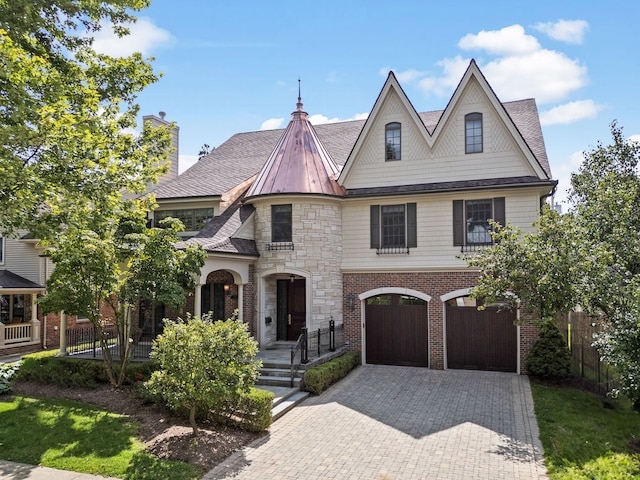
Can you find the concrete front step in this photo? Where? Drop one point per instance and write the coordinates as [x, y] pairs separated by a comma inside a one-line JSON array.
[[286, 405], [277, 381], [284, 399]]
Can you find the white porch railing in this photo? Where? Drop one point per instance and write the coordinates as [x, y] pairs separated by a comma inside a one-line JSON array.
[[10, 335]]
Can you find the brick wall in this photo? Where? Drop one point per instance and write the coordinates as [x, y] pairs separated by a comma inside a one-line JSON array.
[[434, 284]]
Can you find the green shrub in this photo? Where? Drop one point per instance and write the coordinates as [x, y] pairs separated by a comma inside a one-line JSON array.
[[7, 372], [549, 357], [46, 368], [318, 379], [251, 411], [204, 365]]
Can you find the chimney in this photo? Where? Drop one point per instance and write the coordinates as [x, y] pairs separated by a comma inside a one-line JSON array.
[[175, 138]]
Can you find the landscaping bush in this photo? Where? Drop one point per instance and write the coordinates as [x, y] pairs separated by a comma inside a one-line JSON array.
[[7, 372], [46, 368], [318, 379], [251, 412], [204, 365], [549, 357]]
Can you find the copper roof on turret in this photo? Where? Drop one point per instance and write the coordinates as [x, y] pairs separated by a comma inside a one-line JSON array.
[[299, 163]]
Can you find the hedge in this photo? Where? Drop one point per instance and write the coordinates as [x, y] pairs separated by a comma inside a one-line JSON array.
[[318, 379], [46, 368], [252, 411]]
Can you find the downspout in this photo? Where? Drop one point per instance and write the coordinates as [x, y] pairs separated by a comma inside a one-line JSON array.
[[543, 198]]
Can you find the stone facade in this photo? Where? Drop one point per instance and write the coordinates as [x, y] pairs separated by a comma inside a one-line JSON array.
[[316, 255]]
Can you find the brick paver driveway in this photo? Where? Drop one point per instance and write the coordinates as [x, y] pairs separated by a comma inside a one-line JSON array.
[[385, 423]]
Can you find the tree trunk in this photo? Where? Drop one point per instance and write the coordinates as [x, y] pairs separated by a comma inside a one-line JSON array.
[[192, 419], [125, 347]]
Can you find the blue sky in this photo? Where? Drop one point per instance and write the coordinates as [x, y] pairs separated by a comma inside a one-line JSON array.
[[232, 67]]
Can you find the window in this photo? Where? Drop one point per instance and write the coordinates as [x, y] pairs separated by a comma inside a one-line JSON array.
[[392, 141], [393, 228], [471, 221], [193, 218], [1, 250], [473, 133], [281, 223], [12, 308]]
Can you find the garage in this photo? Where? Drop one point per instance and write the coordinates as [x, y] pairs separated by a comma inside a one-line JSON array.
[[480, 339], [396, 330]]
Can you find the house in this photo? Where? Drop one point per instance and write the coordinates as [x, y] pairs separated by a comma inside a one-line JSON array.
[[358, 224], [363, 223]]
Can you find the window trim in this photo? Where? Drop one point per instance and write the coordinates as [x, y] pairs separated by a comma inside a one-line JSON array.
[[460, 238], [469, 118], [175, 213], [410, 229], [3, 250], [392, 127], [283, 239]]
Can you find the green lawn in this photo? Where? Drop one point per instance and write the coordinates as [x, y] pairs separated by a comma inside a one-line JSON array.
[[81, 438], [583, 438]]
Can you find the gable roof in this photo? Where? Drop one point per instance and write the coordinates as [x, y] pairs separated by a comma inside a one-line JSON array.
[[299, 163], [529, 123], [244, 154]]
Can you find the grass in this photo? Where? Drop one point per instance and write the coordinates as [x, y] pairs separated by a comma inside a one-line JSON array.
[[586, 436], [81, 438]]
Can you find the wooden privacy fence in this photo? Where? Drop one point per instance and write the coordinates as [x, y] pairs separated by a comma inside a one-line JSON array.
[[578, 329]]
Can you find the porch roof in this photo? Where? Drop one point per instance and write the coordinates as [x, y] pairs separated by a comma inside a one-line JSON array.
[[13, 281]]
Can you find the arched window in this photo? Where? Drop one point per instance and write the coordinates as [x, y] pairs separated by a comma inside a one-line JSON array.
[[473, 132], [392, 141]]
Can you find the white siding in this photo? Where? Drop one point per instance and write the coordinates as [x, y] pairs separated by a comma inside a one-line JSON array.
[[447, 160], [435, 250], [22, 258]]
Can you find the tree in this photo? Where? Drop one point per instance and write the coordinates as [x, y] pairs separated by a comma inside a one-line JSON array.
[[588, 257], [606, 197], [67, 112], [116, 260], [533, 271], [204, 365]]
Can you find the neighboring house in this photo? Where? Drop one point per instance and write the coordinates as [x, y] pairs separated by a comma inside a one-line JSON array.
[[365, 222], [21, 281]]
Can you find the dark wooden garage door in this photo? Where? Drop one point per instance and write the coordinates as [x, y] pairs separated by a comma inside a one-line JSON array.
[[481, 340], [396, 330]]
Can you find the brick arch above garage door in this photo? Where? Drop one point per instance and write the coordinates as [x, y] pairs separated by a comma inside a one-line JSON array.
[[396, 330]]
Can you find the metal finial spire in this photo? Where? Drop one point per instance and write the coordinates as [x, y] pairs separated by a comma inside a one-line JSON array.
[[299, 104]]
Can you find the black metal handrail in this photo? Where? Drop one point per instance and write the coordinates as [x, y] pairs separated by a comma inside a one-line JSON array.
[[301, 345]]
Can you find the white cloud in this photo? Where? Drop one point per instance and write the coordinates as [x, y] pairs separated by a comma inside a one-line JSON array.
[[563, 172], [272, 124], [186, 161], [546, 75], [569, 31], [319, 119], [453, 69], [571, 112], [144, 37], [510, 40], [634, 138]]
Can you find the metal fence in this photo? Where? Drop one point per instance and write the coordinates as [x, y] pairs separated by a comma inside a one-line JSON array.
[[578, 330], [85, 341], [320, 341]]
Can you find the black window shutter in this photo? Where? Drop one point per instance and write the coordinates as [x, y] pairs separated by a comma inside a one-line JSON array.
[[375, 226], [499, 211], [412, 226], [458, 222]]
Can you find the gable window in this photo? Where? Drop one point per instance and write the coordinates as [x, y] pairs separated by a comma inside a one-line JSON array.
[[193, 219], [473, 133], [281, 223], [393, 228], [471, 226], [392, 141]]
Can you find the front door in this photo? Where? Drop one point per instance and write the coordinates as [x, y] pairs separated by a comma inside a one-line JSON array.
[[292, 311]]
